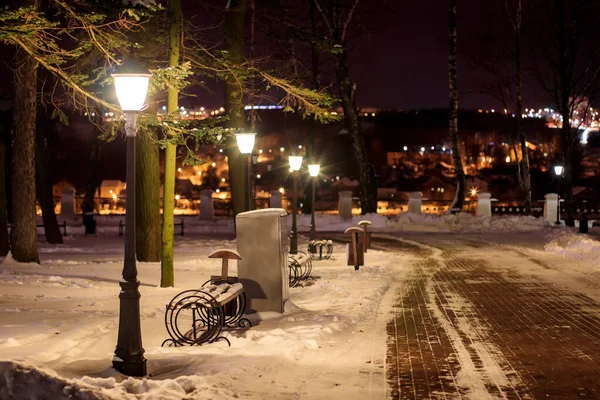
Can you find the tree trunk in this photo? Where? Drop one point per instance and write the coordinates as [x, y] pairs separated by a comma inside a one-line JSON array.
[[167, 274], [525, 178], [565, 92], [88, 204], [459, 197], [4, 245], [24, 225], [148, 241], [234, 103], [368, 188], [43, 179], [312, 127]]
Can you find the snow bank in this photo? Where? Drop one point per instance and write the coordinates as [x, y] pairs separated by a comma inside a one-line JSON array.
[[20, 380], [408, 222], [576, 247]]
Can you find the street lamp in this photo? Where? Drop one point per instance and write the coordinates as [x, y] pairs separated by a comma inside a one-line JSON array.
[[254, 157], [245, 142], [131, 85], [295, 164], [558, 170], [313, 170]]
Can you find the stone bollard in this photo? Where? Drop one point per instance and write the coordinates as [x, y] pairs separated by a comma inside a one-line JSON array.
[[551, 208], [484, 205], [67, 204], [206, 204], [275, 200], [415, 202], [345, 204]]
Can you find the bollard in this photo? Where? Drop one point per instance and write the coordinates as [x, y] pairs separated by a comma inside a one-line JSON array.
[[484, 205], [345, 204], [366, 237], [354, 250], [206, 204], [583, 223], [275, 199], [551, 208], [415, 201]]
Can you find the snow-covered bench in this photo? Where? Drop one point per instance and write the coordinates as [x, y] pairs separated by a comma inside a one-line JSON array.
[[300, 267], [198, 316], [315, 248]]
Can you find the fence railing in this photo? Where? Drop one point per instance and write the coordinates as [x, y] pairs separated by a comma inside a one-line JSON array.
[[222, 207]]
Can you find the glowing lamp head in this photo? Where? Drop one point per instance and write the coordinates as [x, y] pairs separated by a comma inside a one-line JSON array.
[[245, 142], [473, 192], [558, 169], [131, 85], [295, 163], [313, 169]]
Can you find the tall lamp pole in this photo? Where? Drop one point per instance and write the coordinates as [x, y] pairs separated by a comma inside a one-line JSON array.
[[254, 177], [245, 142], [131, 86], [295, 164], [558, 170], [313, 170]]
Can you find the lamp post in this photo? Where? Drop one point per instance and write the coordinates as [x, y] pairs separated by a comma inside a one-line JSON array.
[[558, 170], [313, 170], [245, 142], [131, 85], [295, 164], [254, 176]]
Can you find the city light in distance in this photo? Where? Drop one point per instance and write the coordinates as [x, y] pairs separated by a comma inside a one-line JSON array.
[[257, 176], [281, 149], [222, 179], [177, 197], [281, 190], [405, 148], [218, 191], [214, 164], [178, 169]]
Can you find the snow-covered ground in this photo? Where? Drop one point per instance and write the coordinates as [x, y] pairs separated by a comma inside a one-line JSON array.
[[58, 320], [59, 328]]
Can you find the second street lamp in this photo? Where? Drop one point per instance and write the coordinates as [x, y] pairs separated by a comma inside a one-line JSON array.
[[313, 170], [295, 164], [558, 170], [131, 86], [245, 142]]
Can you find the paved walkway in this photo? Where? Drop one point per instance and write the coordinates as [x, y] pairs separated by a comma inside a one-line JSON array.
[[482, 321]]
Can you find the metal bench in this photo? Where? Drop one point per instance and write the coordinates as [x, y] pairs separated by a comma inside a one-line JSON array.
[[198, 316], [63, 226], [315, 248], [180, 224], [300, 267]]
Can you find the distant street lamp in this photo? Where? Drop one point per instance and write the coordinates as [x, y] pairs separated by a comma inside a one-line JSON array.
[[295, 164], [245, 142], [558, 171], [131, 84], [313, 170]]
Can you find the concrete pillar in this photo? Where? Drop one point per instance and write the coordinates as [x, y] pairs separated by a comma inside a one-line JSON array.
[[206, 204], [484, 205], [67, 204], [551, 208], [345, 204], [415, 202], [275, 200]]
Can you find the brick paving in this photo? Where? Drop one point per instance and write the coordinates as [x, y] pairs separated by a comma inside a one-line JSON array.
[[466, 326]]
